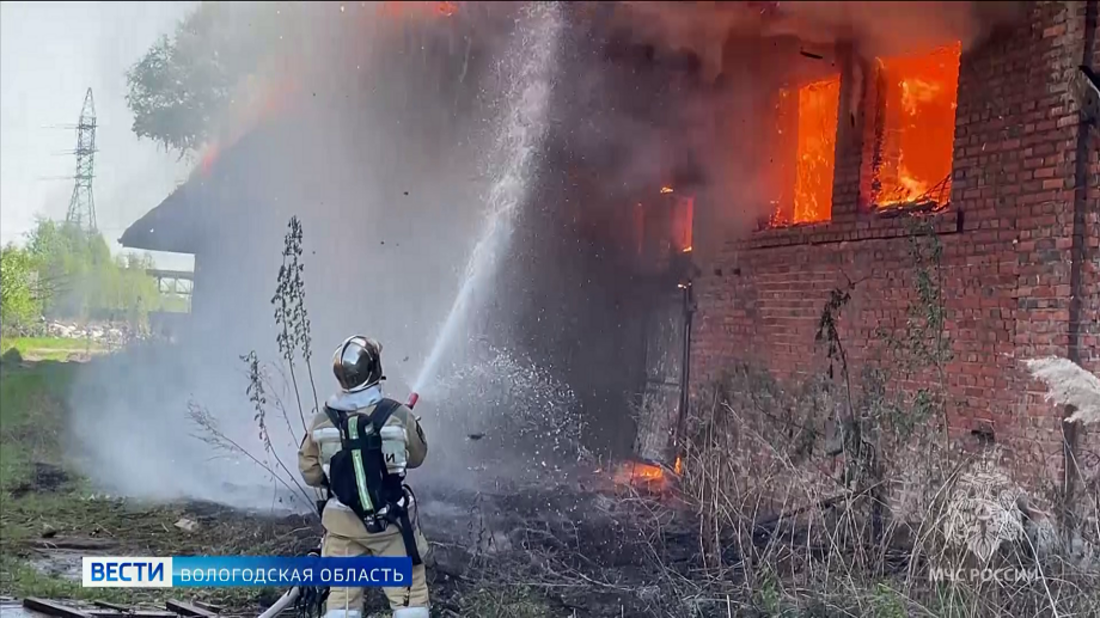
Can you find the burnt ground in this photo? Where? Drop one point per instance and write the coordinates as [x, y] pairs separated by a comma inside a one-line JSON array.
[[598, 549], [603, 551], [540, 549], [47, 478]]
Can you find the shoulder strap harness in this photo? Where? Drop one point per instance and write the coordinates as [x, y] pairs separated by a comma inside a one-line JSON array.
[[356, 440]]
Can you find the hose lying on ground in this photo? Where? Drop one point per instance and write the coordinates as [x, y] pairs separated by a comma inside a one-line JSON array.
[[284, 602]]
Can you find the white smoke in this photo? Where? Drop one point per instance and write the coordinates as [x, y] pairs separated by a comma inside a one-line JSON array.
[[385, 149]]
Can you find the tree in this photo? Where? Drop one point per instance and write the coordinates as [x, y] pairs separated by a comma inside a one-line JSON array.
[[70, 264], [125, 291], [18, 303], [80, 280], [185, 83]]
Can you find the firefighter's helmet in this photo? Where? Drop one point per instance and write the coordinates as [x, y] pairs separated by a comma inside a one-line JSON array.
[[357, 363]]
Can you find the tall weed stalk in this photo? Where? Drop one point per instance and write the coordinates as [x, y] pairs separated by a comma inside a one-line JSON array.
[[294, 341]]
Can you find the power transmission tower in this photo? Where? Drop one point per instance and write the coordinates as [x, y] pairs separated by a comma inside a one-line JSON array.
[[82, 203]]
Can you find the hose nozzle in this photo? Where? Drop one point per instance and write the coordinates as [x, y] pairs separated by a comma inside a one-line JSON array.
[[413, 398]]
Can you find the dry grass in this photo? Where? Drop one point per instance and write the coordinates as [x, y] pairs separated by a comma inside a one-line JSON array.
[[1069, 385], [787, 533]]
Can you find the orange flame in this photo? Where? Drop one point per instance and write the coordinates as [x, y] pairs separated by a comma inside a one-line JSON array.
[[818, 106], [917, 147], [665, 190], [209, 156], [640, 475], [682, 223], [402, 8], [645, 476], [633, 473], [810, 121], [258, 101]]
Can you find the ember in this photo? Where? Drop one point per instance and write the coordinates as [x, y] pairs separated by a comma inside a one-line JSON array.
[[640, 475], [647, 476], [918, 129]]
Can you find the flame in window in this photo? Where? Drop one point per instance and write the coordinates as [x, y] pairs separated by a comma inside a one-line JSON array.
[[806, 150], [915, 139], [682, 219], [818, 106]]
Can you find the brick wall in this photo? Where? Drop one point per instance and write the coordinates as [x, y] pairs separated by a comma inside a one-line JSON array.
[[1007, 239], [1087, 241]]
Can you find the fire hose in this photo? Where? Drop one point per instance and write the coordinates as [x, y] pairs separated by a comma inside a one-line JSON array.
[[306, 598]]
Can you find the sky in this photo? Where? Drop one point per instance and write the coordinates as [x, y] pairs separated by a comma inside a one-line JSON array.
[[50, 54]]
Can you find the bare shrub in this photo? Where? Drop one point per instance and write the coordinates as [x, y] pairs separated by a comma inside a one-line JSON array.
[[295, 345]]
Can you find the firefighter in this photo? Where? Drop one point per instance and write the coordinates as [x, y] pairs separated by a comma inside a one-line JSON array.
[[358, 449]]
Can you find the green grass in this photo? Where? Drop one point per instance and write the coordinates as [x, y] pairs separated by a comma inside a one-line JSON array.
[[33, 416], [51, 343], [49, 348], [20, 577], [32, 406]]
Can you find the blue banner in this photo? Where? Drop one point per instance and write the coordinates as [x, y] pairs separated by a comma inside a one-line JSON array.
[[284, 572]]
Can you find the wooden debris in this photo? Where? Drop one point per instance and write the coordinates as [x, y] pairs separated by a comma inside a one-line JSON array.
[[75, 543], [187, 525], [52, 608], [187, 609], [130, 614], [115, 606], [217, 609]]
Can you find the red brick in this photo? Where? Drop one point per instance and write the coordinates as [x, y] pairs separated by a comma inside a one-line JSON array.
[[1006, 275]]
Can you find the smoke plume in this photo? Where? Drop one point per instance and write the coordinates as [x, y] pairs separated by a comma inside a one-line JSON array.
[[378, 131], [877, 28]]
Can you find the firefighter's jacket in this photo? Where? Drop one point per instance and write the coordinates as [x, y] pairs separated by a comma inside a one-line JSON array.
[[322, 441]]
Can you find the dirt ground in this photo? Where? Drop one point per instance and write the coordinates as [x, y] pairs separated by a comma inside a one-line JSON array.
[[580, 547], [600, 550], [544, 552]]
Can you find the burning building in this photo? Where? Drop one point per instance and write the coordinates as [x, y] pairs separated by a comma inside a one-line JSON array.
[[988, 146], [645, 267]]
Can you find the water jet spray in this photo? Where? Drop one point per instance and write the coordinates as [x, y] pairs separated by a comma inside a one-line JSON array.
[[517, 144]]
